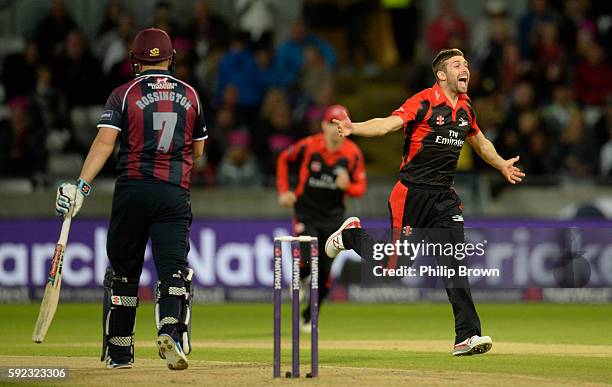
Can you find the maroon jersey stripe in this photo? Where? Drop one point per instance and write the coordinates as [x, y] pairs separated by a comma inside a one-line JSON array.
[[135, 132], [188, 140]]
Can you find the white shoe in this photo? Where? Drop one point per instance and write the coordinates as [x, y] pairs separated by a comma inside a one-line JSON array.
[[305, 327], [475, 345], [334, 245], [113, 365], [172, 352]]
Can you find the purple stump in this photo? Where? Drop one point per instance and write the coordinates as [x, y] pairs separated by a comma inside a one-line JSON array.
[[278, 281], [314, 308], [295, 310]]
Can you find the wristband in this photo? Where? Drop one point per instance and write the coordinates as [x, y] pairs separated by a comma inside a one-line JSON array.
[[84, 187]]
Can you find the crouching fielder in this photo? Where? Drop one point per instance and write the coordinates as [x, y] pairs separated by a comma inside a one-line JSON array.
[[160, 124]]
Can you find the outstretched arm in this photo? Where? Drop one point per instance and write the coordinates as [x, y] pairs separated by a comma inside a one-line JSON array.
[[487, 152], [371, 128]]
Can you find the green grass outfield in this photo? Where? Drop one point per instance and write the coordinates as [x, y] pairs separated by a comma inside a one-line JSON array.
[[554, 343]]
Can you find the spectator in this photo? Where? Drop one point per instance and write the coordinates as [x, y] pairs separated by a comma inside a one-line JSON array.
[[279, 136], [22, 139], [113, 13], [19, 72], [52, 30], [573, 21], [557, 114], [513, 67], [79, 75], [577, 149], [49, 100], [225, 122], [185, 59], [290, 55], [52, 106], [522, 99], [275, 129], [162, 18], [239, 167], [493, 25], [530, 26], [550, 57], [265, 64], [489, 45], [537, 160], [448, 29], [112, 47], [603, 129], [602, 126], [529, 122], [356, 13], [404, 33], [210, 32], [315, 74], [238, 68], [593, 77]]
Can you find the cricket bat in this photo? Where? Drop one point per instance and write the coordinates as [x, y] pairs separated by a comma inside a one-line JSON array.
[[54, 282]]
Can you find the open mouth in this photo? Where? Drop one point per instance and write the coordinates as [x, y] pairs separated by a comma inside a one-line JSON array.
[[463, 80]]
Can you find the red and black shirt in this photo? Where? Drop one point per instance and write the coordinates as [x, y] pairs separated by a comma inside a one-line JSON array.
[[316, 188], [434, 135], [159, 118]]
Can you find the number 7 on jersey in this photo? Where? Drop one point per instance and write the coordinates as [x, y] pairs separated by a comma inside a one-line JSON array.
[[166, 122]]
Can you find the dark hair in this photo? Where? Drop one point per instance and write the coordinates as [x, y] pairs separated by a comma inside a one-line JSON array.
[[443, 55]]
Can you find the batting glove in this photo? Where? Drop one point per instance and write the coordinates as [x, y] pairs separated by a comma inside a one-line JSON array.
[[70, 196]]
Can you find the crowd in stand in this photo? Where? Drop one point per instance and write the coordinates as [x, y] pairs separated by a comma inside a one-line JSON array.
[[541, 84]]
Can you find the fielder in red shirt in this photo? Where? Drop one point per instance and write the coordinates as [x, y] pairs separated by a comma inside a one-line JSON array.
[[329, 168], [436, 123]]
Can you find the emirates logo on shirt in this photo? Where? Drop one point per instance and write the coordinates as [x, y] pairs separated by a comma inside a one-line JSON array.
[[440, 120]]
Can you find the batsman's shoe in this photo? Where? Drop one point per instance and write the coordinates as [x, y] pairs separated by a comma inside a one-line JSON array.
[[334, 245], [475, 345], [113, 365], [171, 351]]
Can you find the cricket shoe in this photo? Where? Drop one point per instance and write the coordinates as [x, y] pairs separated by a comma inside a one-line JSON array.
[[171, 351], [334, 245], [474, 345], [115, 365], [305, 326]]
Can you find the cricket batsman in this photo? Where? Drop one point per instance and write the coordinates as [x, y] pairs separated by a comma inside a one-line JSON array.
[[329, 168], [158, 121], [436, 122]]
